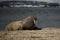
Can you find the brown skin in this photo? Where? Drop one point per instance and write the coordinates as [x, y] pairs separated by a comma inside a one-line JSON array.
[[25, 24]]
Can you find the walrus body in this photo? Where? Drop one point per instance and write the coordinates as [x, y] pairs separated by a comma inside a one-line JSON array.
[[25, 24]]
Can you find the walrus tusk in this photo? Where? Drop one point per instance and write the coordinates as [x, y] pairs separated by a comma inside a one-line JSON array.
[[34, 21]]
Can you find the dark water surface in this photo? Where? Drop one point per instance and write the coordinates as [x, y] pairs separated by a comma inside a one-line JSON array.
[[47, 17]]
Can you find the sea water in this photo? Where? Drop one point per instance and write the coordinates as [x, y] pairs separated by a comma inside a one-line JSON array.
[[47, 17]]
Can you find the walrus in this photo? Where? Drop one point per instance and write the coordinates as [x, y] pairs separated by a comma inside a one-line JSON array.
[[25, 24]]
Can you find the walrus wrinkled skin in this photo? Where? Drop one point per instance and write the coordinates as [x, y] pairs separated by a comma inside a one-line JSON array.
[[25, 24]]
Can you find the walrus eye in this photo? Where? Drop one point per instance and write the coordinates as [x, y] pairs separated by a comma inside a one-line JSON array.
[[35, 18]]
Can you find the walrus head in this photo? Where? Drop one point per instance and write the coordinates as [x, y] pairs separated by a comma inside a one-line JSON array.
[[34, 18]]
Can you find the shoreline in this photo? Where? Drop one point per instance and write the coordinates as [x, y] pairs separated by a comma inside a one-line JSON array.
[[44, 34]]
